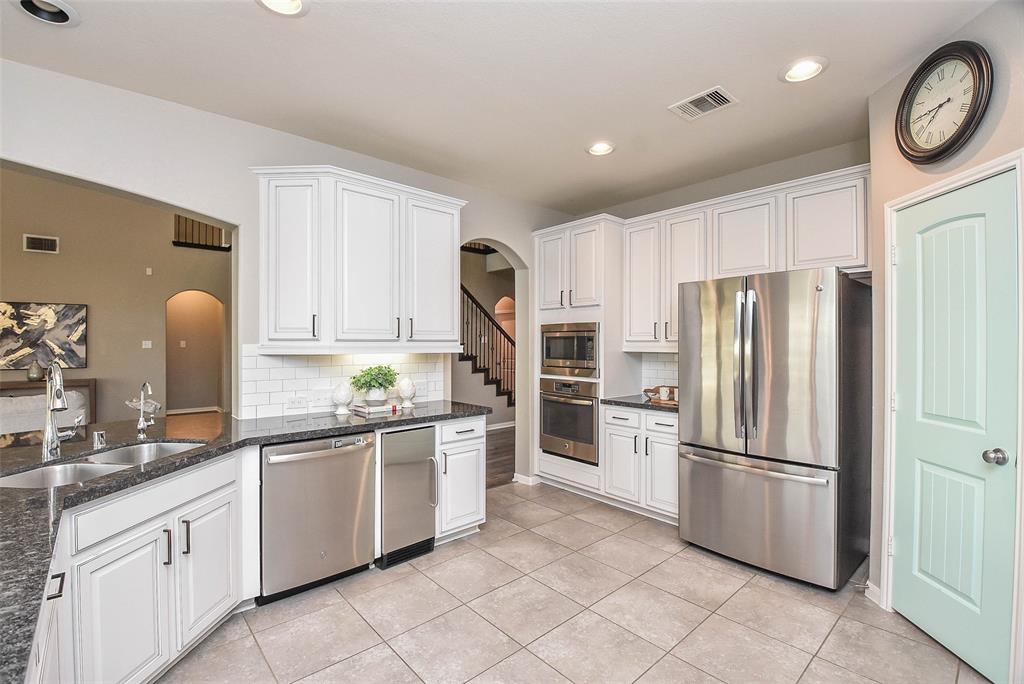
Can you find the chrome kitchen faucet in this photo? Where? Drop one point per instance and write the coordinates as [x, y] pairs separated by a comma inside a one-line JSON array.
[[56, 401]]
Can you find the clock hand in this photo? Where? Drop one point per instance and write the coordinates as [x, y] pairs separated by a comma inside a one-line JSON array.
[[941, 104]]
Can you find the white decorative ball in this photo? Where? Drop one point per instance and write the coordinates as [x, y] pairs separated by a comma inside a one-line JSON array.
[[342, 397], [406, 390]]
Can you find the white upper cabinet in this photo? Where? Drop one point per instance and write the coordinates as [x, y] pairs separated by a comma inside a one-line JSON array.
[[643, 282], [743, 237], [290, 258], [432, 272], [551, 266], [685, 262], [367, 301], [826, 225], [373, 263], [585, 260]]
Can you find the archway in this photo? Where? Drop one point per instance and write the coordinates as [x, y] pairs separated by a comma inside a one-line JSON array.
[[198, 365], [508, 436]]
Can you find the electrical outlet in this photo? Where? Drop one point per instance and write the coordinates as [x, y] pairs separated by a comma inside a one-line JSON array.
[[149, 271], [297, 402], [147, 344], [182, 344]]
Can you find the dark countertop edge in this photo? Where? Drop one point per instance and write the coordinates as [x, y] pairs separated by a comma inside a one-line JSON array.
[[638, 401], [22, 604]]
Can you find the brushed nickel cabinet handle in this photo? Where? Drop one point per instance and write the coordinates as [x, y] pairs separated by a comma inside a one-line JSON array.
[[570, 297], [60, 587], [635, 442], [188, 537], [646, 451], [444, 471], [561, 298], [655, 329], [398, 322], [314, 325], [410, 327], [167, 534]]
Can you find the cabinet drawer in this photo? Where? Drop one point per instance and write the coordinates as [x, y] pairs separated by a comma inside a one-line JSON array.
[[122, 512], [614, 416], [661, 422], [579, 474], [457, 432]]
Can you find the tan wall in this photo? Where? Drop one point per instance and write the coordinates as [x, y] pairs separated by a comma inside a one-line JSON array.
[[106, 242], [487, 286], [820, 161], [1000, 29], [194, 372]]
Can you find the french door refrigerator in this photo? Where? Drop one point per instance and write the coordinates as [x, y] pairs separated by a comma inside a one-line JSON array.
[[775, 421]]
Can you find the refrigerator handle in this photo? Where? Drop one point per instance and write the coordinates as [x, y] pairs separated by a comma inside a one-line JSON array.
[[750, 363], [737, 367]]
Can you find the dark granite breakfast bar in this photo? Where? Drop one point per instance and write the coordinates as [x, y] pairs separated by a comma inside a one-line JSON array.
[[29, 517]]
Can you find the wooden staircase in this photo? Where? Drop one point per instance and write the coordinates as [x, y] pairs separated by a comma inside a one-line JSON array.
[[489, 349]]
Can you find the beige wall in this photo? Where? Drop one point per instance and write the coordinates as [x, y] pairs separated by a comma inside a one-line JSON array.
[[488, 287], [107, 241], [820, 161], [194, 371], [1001, 30]]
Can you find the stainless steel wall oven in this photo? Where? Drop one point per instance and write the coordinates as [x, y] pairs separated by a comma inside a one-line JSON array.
[[568, 419], [569, 349]]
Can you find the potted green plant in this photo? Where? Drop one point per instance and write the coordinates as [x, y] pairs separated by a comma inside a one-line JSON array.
[[375, 381]]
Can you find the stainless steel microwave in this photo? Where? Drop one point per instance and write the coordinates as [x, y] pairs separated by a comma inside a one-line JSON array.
[[569, 349]]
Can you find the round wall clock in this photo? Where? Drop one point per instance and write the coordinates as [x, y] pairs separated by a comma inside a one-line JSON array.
[[944, 102]]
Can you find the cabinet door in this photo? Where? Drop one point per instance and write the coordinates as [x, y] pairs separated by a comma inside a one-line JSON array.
[[52, 662], [586, 260], [662, 480], [743, 237], [551, 267], [367, 264], [432, 276], [826, 226], [207, 563], [462, 486], [622, 464], [686, 259], [291, 251], [642, 299], [123, 619]]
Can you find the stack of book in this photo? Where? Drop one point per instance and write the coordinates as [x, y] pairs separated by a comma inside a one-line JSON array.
[[365, 410]]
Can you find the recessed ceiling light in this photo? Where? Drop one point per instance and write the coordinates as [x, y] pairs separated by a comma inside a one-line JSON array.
[[54, 12], [288, 8], [601, 148], [803, 69]]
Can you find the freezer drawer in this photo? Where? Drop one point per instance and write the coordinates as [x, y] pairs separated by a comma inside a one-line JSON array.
[[778, 517]]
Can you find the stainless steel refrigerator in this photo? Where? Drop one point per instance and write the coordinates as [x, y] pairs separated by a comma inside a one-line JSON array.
[[775, 421]]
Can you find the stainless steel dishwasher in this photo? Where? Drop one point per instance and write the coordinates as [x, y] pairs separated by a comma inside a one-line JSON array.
[[408, 498], [317, 500]]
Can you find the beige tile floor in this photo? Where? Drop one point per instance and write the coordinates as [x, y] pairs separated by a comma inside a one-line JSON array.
[[559, 588]]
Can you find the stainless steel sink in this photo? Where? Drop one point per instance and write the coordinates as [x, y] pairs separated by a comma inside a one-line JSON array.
[[58, 474], [137, 454]]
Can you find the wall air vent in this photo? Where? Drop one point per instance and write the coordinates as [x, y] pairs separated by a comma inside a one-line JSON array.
[[40, 243], [696, 106]]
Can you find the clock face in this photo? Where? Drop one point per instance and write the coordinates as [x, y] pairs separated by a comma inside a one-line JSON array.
[[941, 103]]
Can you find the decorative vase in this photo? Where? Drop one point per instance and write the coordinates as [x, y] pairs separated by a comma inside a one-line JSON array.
[[342, 396], [406, 390], [35, 371], [376, 396]]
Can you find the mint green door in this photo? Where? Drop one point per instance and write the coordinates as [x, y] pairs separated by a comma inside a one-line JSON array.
[[955, 322]]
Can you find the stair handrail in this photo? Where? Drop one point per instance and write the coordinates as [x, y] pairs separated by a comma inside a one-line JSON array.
[[487, 315]]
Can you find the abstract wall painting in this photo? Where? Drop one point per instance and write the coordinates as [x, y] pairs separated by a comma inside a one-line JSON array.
[[44, 333]]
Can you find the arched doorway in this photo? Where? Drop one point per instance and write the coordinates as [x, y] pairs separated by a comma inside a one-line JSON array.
[[495, 286], [198, 371]]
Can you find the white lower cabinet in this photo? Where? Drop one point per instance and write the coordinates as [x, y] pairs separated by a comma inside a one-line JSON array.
[[622, 464], [640, 461], [461, 486], [661, 490], [123, 623], [206, 574]]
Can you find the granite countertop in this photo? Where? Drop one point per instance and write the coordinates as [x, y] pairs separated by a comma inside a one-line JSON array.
[[638, 401], [29, 517]]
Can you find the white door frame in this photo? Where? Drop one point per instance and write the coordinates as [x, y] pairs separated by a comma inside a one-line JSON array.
[[883, 594]]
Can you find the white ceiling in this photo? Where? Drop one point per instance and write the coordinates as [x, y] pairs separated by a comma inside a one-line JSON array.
[[509, 95]]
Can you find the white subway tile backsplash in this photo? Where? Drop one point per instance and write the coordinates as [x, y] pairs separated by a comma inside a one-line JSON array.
[[268, 382], [659, 369]]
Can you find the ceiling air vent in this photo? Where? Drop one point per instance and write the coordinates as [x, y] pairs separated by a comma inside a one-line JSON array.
[[40, 243], [700, 104]]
